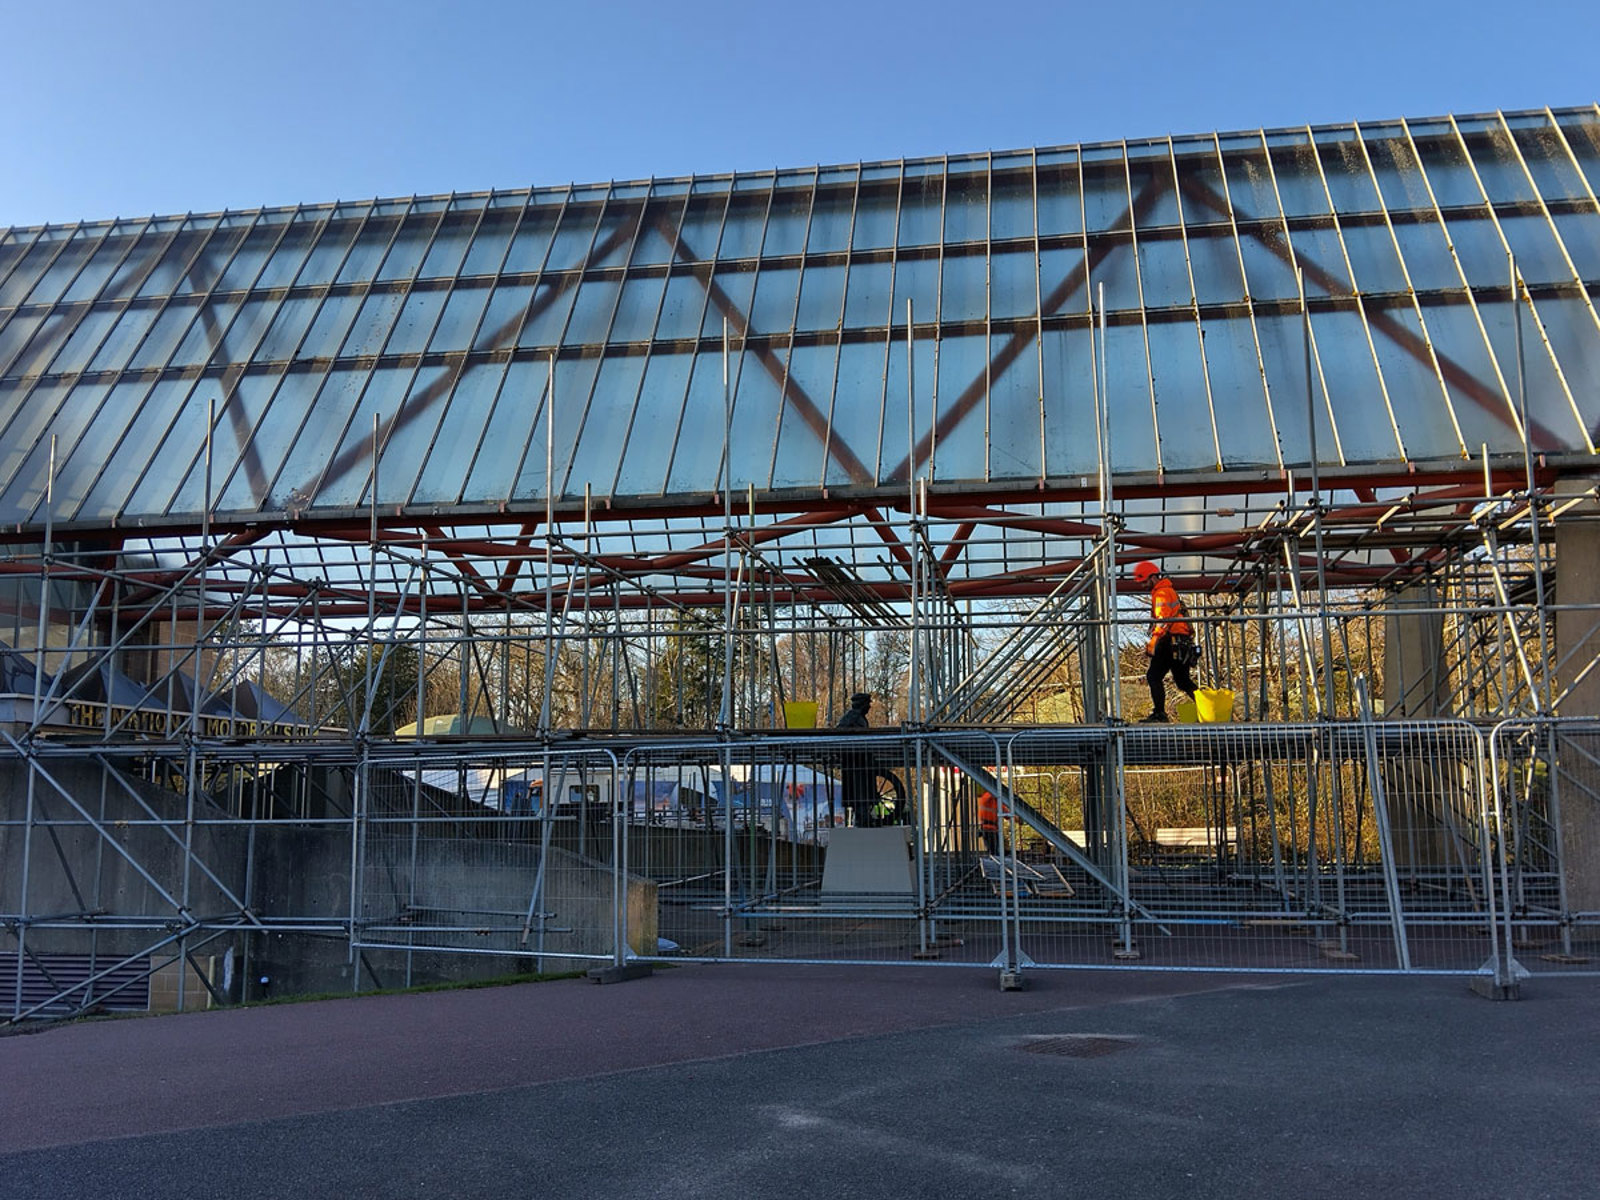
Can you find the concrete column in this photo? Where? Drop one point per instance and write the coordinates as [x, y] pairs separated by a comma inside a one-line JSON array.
[[1577, 688], [1424, 802]]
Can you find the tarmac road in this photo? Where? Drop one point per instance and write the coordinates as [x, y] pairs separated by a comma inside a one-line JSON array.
[[766, 1080]]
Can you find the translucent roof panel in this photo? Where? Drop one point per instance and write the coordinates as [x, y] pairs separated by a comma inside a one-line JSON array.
[[1342, 290]]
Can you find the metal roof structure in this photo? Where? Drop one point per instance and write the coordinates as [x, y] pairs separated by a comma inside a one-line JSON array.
[[436, 320]]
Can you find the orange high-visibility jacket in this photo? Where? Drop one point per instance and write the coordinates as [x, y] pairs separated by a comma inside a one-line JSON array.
[[988, 812], [1167, 614]]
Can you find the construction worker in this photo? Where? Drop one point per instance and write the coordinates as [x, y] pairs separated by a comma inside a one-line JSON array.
[[989, 822], [1171, 644], [857, 772]]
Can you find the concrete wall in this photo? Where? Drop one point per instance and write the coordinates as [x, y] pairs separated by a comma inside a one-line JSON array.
[[1577, 538], [294, 876]]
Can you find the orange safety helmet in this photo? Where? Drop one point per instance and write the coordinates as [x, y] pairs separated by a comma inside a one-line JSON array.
[[1146, 571]]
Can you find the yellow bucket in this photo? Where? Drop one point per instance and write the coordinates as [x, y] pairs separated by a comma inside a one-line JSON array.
[[800, 714], [1187, 713], [1214, 704]]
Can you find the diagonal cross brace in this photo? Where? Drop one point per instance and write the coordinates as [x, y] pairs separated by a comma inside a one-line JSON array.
[[1035, 821]]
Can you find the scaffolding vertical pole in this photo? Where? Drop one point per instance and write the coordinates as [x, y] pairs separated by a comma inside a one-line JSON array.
[[549, 568], [726, 709]]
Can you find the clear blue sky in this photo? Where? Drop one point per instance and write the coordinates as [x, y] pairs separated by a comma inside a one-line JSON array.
[[123, 109]]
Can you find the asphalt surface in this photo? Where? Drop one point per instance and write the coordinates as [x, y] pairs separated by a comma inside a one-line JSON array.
[[765, 1080]]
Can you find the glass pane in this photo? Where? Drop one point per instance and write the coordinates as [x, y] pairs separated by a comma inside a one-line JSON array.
[[1183, 411], [1479, 249], [288, 327], [804, 423], [1215, 258], [1243, 426], [683, 308], [78, 462], [410, 409], [327, 332], [1498, 166], [1011, 214], [489, 246], [1105, 192], [1427, 255], [636, 314], [460, 319], [731, 291], [323, 262], [1415, 393], [97, 273], [606, 424], [552, 301], [966, 213], [460, 433], [821, 297], [922, 211], [20, 282], [1061, 277], [1551, 425], [875, 215], [166, 425], [917, 280], [868, 294], [249, 325], [1344, 163], [574, 379], [1299, 180], [1352, 385], [287, 259], [29, 416], [658, 234], [1060, 206], [14, 334], [113, 459], [591, 314], [697, 452], [1250, 184], [1581, 235], [450, 244], [1576, 345], [741, 233], [527, 251], [1013, 407], [165, 334], [25, 460], [830, 220], [410, 244], [345, 413], [1445, 165], [615, 239], [257, 440], [34, 355], [1320, 253], [248, 259], [508, 309], [964, 288], [513, 439], [1471, 375], [786, 225], [858, 411], [417, 317], [960, 453], [773, 311], [1163, 272], [1203, 191], [1399, 179], [1583, 139], [56, 278], [206, 334], [1112, 261], [1071, 444], [1013, 289], [643, 467], [701, 229], [1539, 258], [366, 255]]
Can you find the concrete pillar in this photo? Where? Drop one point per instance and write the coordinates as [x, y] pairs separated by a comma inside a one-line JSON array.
[[1425, 804], [1577, 688]]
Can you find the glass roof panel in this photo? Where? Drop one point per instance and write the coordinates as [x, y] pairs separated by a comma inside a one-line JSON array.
[[319, 317]]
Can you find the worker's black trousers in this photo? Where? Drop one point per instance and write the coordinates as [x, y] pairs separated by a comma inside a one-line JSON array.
[[1161, 663]]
